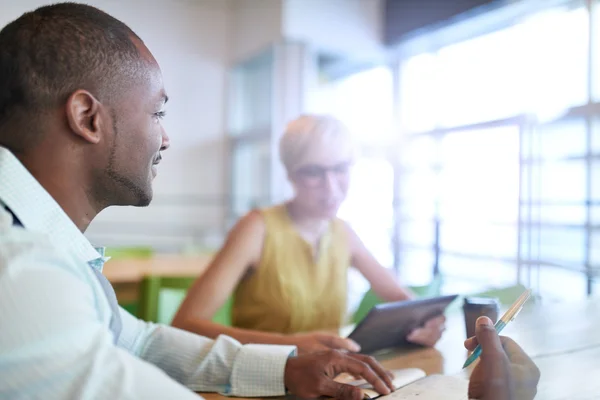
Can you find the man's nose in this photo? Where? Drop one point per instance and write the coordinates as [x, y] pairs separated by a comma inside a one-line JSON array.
[[166, 142]]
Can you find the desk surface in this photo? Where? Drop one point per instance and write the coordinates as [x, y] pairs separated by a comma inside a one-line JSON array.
[[562, 339], [135, 269]]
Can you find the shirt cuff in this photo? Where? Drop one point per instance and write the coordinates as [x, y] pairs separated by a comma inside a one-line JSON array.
[[259, 370]]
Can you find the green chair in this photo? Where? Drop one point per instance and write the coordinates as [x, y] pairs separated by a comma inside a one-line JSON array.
[[370, 299], [223, 315], [160, 298], [505, 295], [129, 253]]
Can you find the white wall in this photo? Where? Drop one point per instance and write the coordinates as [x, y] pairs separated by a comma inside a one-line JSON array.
[[195, 42], [191, 41], [256, 24], [349, 27]]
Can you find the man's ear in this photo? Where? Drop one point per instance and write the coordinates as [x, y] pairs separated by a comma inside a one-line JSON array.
[[84, 116]]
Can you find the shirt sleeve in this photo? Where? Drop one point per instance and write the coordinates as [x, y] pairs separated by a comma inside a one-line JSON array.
[[204, 365], [55, 342]]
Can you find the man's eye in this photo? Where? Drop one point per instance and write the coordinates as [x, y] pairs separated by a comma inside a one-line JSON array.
[[160, 114]]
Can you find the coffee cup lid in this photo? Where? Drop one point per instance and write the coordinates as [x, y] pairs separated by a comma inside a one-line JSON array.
[[481, 301]]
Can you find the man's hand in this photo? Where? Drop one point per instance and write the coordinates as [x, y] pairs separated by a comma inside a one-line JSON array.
[[312, 375], [504, 371], [320, 341], [430, 333]]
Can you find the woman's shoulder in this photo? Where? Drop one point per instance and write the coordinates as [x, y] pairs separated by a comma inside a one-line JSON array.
[[345, 231], [341, 225], [272, 217], [271, 210], [259, 220], [247, 236], [252, 222]]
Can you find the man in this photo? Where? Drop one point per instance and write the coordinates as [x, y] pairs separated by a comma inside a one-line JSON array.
[[81, 99], [504, 371]]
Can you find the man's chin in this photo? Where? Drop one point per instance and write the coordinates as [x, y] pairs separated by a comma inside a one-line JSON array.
[[141, 198], [144, 200], [130, 192], [143, 203]]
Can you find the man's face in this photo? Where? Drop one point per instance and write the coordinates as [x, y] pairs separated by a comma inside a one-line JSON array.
[[137, 139]]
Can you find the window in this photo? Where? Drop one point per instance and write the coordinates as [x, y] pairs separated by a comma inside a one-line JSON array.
[[418, 83], [529, 67], [465, 204], [368, 207], [251, 166], [251, 92], [499, 166], [364, 102]]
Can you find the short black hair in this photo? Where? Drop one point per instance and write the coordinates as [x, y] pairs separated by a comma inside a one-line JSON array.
[[47, 54]]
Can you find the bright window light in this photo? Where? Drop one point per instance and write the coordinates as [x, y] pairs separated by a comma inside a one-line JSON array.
[[537, 67]]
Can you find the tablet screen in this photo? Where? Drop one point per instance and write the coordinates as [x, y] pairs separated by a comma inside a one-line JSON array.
[[387, 325]]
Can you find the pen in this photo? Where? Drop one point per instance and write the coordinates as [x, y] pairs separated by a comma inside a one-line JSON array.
[[502, 322]]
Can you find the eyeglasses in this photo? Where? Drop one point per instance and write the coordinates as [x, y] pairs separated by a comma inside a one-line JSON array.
[[315, 175]]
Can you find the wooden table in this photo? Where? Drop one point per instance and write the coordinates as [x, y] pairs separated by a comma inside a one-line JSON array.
[[127, 274], [563, 340]]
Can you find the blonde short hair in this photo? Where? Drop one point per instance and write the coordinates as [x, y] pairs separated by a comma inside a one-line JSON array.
[[310, 132]]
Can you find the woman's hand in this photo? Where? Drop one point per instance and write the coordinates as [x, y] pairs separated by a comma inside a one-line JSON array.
[[319, 341], [429, 333]]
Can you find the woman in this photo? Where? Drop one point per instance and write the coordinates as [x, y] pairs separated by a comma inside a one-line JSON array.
[[287, 265]]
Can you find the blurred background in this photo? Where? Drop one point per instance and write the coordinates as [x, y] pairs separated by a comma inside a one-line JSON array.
[[478, 123]]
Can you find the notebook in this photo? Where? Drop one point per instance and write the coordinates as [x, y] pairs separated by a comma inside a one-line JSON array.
[[412, 383]]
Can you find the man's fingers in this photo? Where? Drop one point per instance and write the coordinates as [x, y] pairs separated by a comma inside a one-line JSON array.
[[515, 353], [354, 366], [471, 343], [527, 372], [338, 390], [313, 375], [383, 373], [487, 337]]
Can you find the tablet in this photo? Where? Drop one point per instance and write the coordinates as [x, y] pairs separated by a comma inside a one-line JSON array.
[[387, 325]]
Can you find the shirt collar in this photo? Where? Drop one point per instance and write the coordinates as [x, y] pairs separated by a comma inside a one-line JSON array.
[[37, 210]]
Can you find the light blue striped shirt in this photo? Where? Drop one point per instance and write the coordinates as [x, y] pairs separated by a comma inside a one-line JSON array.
[[55, 341]]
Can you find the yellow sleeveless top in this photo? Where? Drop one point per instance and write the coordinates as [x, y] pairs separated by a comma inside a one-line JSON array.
[[290, 292]]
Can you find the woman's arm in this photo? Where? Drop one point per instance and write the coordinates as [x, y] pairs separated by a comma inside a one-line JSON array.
[[382, 280], [241, 253], [385, 285]]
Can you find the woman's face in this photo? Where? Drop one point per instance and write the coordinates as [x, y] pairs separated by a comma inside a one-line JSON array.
[[321, 181]]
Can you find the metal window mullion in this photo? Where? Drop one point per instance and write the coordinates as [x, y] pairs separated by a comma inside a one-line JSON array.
[[588, 160]]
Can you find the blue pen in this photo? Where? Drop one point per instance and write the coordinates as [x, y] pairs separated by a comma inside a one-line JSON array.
[[502, 322]]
